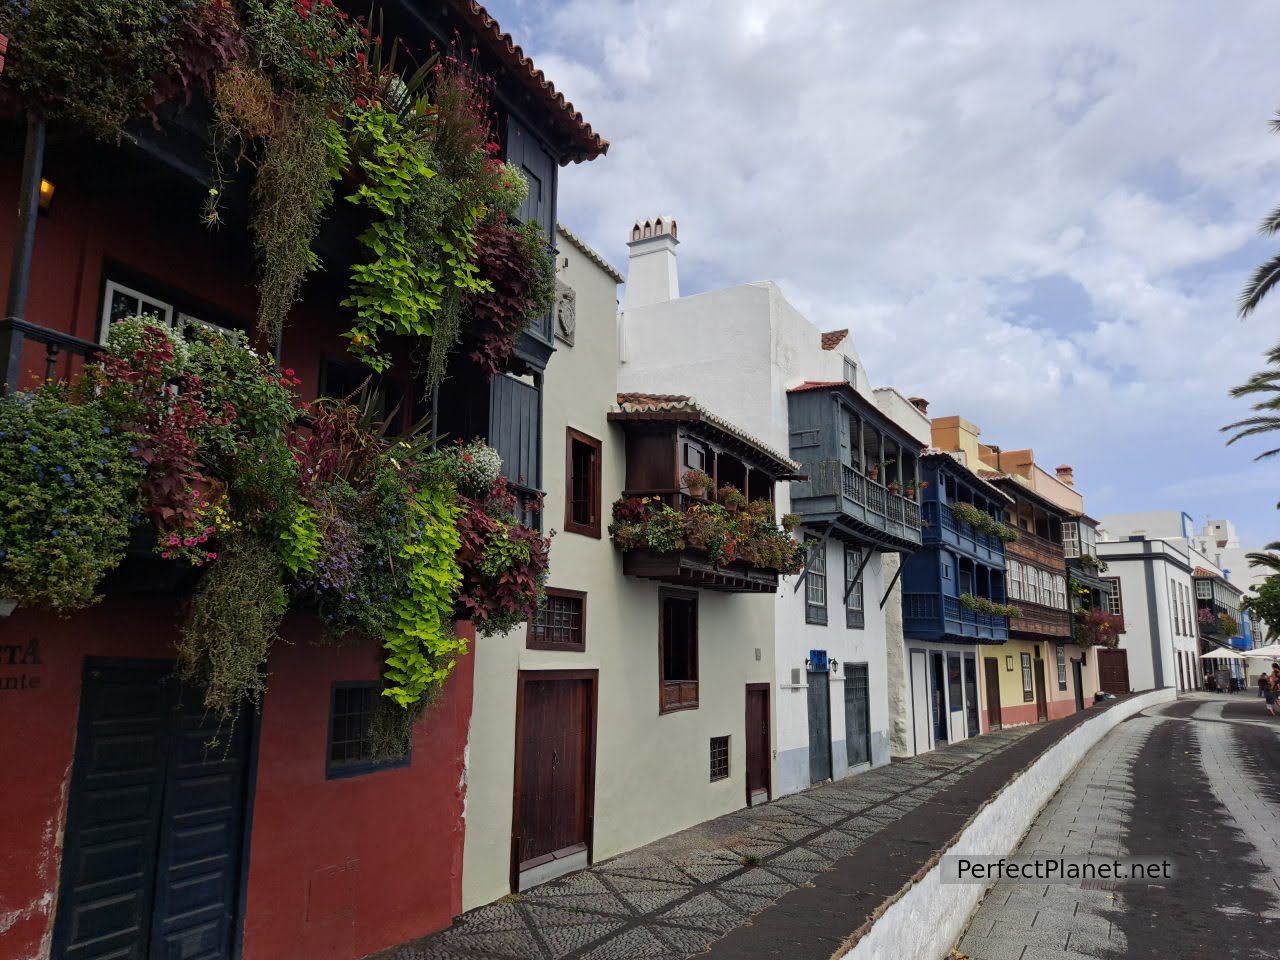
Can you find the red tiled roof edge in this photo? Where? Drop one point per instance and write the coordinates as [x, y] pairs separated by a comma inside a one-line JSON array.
[[816, 385], [587, 143], [833, 338]]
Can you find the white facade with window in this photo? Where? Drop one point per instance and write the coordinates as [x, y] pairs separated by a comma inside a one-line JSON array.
[[739, 350]]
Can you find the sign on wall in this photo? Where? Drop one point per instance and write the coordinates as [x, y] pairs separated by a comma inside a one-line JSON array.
[[17, 661]]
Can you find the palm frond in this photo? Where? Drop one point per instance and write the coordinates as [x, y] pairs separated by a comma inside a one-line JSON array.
[[1259, 285], [1271, 224]]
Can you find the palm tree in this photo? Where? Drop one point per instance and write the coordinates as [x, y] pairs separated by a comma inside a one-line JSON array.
[[1269, 560], [1267, 275], [1266, 386]]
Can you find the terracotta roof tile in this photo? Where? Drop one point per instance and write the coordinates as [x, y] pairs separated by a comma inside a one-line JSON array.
[[681, 403], [585, 143], [833, 338], [816, 385], [1202, 572]]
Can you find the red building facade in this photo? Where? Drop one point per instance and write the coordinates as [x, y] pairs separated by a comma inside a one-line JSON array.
[[126, 833]]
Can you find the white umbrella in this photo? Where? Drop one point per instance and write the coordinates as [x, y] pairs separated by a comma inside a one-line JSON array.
[[1221, 655], [1271, 650]]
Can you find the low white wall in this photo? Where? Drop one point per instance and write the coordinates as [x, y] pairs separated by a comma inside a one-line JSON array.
[[929, 917]]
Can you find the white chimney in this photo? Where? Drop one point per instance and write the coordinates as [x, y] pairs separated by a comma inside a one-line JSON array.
[[651, 272]]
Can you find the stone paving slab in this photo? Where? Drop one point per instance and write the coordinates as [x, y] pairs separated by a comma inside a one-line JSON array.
[[675, 897]]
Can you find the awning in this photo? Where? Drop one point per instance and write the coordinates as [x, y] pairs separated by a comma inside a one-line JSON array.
[[1221, 655]]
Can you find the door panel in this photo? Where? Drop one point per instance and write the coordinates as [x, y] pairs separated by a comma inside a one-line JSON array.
[[939, 700], [971, 695], [819, 727], [920, 701], [155, 821], [757, 743], [991, 670], [1077, 675], [1113, 671], [553, 767], [1042, 702], [857, 713]]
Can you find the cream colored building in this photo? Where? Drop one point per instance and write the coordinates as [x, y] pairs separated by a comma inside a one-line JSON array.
[[581, 746]]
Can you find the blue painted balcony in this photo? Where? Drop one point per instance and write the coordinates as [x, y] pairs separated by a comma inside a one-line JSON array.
[[942, 528], [933, 616]]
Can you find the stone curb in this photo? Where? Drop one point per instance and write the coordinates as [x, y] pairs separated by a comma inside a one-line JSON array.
[[925, 918]]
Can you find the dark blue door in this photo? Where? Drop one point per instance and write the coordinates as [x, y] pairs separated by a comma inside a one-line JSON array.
[[155, 823]]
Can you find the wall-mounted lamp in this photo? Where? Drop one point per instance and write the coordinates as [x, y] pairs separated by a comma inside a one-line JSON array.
[[46, 194]]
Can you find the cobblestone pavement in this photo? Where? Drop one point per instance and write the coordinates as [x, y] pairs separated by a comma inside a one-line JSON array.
[[1192, 781], [673, 898]]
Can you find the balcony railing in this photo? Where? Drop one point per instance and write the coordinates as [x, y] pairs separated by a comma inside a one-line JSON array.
[[13, 336], [835, 487], [1041, 620], [943, 527], [932, 614], [1033, 547]]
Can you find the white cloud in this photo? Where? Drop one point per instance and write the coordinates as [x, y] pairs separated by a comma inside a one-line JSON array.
[[906, 168]]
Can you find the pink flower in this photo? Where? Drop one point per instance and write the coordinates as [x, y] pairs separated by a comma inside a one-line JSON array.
[[173, 539], [164, 555], [188, 542]]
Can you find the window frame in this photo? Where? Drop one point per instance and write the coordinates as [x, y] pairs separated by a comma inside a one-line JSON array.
[[110, 285], [591, 529], [716, 743], [532, 643], [1115, 596], [1060, 591], [1028, 681], [1013, 579], [355, 768], [814, 611], [680, 701], [1071, 539], [1060, 654], [855, 613]]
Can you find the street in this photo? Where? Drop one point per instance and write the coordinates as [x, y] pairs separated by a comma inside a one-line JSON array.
[[1193, 781]]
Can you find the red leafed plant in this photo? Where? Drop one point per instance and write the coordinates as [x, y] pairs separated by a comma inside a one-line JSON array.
[[175, 488], [1097, 628], [503, 563], [208, 41], [516, 262]]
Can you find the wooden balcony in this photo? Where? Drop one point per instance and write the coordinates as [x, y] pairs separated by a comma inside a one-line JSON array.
[[837, 492], [929, 616], [1039, 622], [942, 527], [691, 568], [1036, 549]]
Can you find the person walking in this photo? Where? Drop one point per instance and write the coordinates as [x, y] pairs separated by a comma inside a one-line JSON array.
[[1267, 684]]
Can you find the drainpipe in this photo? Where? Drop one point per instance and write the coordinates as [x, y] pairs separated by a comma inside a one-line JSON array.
[[23, 247]]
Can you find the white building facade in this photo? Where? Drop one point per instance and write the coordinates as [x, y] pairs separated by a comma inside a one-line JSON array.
[[747, 353]]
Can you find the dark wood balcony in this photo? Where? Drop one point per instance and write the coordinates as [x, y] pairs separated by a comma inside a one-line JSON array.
[[691, 568], [1039, 622], [1037, 549]]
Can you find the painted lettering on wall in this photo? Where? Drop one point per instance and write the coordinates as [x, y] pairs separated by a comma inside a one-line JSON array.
[[16, 661]]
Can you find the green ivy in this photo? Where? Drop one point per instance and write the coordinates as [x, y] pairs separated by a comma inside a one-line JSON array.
[[420, 641], [300, 541]]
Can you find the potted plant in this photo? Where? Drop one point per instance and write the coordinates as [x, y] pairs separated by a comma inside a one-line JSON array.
[[731, 498], [895, 487], [697, 483], [873, 472]]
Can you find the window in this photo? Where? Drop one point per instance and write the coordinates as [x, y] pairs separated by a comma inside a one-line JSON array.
[[695, 456], [351, 710], [854, 616], [678, 648], [1015, 580], [1204, 590], [1175, 607], [119, 301], [1115, 604], [1028, 688], [1060, 592], [1032, 580], [1070, 538], [582, 485], [815, 587], [850, 372], [1046, 588], [719, 758], [946, 571], [560, 622], [1062, 665]]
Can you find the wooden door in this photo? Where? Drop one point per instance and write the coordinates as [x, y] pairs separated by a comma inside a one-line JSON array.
[[857, 714], [759, 769], [941, 728], [1077, 674], [555, 767], [819, 727], [1113, 671], [1042, 700], [991, 672], [971, 695], [152, 855]]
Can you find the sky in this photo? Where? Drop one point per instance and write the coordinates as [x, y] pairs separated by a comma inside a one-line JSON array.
[[1037, 216]]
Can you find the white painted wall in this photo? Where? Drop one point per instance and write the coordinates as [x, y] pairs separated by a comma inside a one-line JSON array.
[[652, 771], [1148, 611], [740, 349]]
